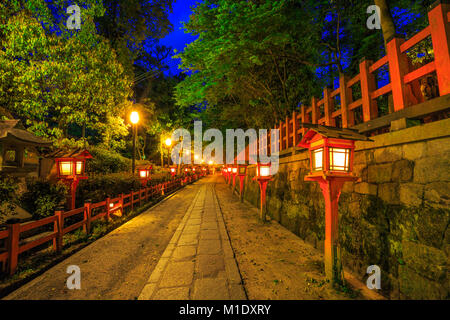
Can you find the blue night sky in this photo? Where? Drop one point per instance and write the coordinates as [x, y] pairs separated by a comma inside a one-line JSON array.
[[178, 39]]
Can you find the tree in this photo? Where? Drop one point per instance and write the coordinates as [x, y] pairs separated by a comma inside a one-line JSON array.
[[52, 82]]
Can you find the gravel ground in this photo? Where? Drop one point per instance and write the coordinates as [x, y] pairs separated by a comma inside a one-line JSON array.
[[118, 265]]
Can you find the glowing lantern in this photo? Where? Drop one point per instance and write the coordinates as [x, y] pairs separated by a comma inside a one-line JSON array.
[[331, 160], [70, 167], [263, 177], [144, 173]]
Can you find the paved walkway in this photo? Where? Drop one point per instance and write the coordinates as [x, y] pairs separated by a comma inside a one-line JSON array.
[[198, 263]]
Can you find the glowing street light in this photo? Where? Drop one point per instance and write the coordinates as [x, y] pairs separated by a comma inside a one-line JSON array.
[[263, 177], [134, 119], [168, 142]]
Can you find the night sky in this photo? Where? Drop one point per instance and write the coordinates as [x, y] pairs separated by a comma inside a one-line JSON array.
[[178, 39]]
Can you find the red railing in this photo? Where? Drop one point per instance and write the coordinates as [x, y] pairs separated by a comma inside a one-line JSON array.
[[404, 84], [9, 255]]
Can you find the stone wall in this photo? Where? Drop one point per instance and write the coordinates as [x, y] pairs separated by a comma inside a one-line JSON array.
[[396, 217]]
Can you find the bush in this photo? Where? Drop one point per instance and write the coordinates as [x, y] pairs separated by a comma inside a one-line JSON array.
[[98, 188], [8, 189], [43, 197], [107, 161]]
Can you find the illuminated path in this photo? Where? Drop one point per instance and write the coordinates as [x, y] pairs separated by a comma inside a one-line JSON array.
[[198, 263]]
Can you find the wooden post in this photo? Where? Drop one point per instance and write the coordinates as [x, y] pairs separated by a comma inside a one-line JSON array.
[[328, 107], [107, 209], [369, 106], [294, 129], [132, 200], [13, 247], [59, 239], [348, 119], [398, 68], [314, 111], [87, 217], [287, 133], [438, 18]]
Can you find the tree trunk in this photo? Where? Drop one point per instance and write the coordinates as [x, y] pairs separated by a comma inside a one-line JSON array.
[[387, 22], [388, 29]]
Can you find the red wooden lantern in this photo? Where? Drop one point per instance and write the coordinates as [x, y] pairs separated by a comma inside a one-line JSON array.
[[144, 174], [263, 177], [70, 168], [234, 172], [331, 163], [242, 173], [173, 171]]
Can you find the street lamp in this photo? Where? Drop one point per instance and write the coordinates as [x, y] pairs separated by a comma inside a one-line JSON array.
[[134, 118], [263, 177], [331, 163], [168, 143]]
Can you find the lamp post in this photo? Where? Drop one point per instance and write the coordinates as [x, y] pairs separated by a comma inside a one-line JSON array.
[[263, 177], [173, 171], [168, 143], [234, 172], [242, 173], [134, 118], [229, 174], [144, 174], [71, 169], [331, 163]]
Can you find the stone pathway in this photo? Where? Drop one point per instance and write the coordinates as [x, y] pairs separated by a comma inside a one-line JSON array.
[[198, 263]]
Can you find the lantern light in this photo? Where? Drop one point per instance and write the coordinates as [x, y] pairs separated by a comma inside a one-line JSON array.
[[234, 170], [134, 117], [263, 170], [210, 162], [66, 168], [229, 169], [168, 142]]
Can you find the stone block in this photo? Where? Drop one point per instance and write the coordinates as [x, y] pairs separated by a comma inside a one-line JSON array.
[[411, 194], [209, 247], [425, 260], [366, 188], [414, 286], [413, 151], [380, 173], [184, 253], [209, 265], [432, 169], [178, 274], [438, 192], [403, 171], [210, 289], [438, 146], [388, 154], [172, 294], [388, 192]]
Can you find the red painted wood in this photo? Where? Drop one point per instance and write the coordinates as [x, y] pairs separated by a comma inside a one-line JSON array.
[[13, 247], [440, 35], [398, 67], [367, 86]]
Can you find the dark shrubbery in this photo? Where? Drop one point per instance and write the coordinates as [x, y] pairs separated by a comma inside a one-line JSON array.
[[8, 189], [107, 161], [98, 188], [42, 197]]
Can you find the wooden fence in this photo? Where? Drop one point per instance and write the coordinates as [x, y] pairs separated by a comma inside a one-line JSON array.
[[18, 242], [404, 86]]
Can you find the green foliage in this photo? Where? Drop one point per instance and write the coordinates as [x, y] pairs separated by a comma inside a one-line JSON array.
[[98, 188], [107, 161], [255, 61], [43, 197], [8, 189]]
